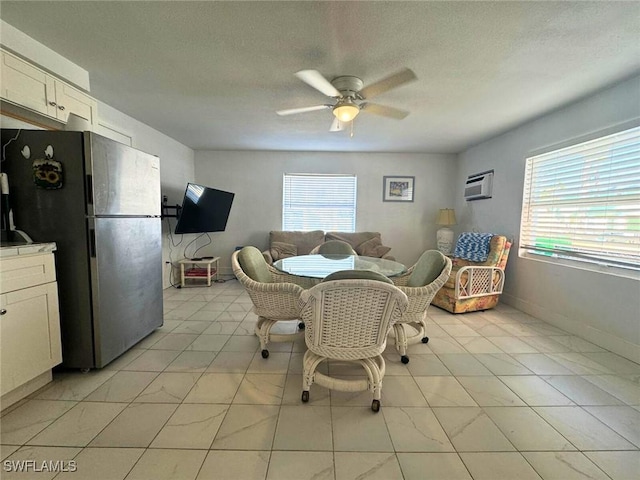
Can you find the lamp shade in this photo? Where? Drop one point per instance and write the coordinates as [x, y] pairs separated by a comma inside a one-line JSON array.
[[446, 216], [346, 111]]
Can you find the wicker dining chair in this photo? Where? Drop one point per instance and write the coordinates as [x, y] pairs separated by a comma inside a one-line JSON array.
[[420, 282], [334, 247], [348, 317], [274, 295]]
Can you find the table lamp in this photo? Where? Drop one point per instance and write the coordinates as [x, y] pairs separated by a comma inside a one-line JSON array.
[[446, 217]]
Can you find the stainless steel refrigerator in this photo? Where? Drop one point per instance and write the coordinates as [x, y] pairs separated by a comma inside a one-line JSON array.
[[102, 208]]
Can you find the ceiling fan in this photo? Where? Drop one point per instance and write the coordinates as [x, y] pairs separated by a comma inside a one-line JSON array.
[[350, 96]]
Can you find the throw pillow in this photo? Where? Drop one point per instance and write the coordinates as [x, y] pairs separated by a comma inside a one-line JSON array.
[[283, 250], [372, 248], [304, 241]]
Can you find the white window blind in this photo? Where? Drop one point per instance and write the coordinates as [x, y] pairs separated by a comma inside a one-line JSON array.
[[319, 202], [583, 202]]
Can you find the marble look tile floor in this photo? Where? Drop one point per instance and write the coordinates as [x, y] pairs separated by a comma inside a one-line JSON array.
[[493, 395]]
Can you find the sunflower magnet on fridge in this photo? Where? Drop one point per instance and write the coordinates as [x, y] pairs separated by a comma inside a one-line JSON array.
[[47, 172]]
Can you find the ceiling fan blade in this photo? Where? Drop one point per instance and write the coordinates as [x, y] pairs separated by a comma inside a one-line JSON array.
[[337, 125], [384, 111], [292, 111], [315, 79], [403, 76]]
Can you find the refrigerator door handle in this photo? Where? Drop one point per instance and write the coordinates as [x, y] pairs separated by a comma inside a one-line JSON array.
[[89, 190], [92, 242]]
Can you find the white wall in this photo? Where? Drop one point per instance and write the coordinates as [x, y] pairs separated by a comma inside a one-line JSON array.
[[256, 179], [176, 167], [600, 307]]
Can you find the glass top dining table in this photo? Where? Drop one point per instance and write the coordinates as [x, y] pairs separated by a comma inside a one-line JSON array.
[[319, 266]]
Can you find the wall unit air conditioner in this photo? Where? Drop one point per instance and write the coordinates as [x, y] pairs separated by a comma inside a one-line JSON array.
[[478, 186]]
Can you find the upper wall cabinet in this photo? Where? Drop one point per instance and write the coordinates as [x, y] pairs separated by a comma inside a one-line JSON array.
[[27, 86]]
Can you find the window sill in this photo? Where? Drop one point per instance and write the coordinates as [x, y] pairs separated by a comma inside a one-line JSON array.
[[629, 273]]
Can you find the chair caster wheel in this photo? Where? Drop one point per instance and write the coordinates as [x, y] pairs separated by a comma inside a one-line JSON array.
[[301, 326], [375, 406], [265, 353], [305, 396], [425, 340], [404, 359]]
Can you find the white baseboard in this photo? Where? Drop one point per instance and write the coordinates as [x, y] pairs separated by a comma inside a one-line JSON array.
[[605, 340], [226, 272], [25, 389]]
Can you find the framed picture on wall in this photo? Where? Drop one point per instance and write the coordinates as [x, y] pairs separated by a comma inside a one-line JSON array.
[[397, 189]]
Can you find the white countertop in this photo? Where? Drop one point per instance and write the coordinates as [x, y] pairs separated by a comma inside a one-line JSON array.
[[12, 249]]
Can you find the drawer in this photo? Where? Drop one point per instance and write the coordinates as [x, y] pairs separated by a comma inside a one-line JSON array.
[[25, 271]]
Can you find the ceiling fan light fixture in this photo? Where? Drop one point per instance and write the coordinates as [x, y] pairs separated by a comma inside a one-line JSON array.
[[346, 110]]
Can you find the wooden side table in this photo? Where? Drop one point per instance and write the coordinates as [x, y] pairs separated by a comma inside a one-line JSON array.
[[191, 270]]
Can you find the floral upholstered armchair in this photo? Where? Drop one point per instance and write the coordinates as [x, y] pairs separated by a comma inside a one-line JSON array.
[[477, 276]]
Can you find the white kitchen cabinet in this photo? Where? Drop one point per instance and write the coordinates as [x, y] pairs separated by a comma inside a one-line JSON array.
[[29, 324], [26, 86], [29, 87], [72, 100]]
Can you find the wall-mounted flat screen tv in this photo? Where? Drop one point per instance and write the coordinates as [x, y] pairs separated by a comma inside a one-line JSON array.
[[204, 209]]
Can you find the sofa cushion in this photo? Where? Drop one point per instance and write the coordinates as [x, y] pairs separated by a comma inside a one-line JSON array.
[[304, 241], [280, 250], [428, 267], [372, 248], [254, 265]]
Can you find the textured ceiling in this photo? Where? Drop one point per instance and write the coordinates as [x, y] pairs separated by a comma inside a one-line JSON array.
[[212, 74]]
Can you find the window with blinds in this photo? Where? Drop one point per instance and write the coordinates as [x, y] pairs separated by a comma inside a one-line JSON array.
[[583, 202], [319, 202]]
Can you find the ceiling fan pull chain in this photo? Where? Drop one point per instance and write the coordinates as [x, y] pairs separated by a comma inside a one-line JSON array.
[[351, 134]]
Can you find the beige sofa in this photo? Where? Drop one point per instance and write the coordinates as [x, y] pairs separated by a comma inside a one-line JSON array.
[[283, 244]]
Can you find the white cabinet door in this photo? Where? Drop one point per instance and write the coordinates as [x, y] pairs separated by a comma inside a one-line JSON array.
[[32, 88], [26, 86], [72, 100], [29, 334]]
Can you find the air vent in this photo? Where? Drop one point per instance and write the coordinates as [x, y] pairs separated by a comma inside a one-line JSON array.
[[478, 186]]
